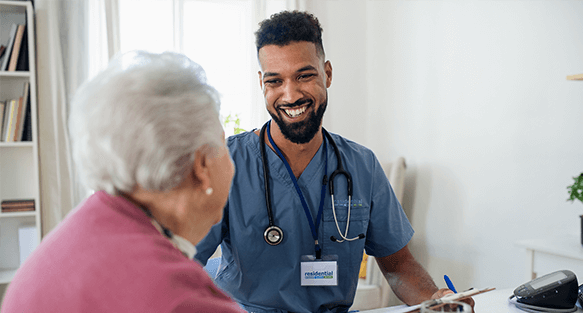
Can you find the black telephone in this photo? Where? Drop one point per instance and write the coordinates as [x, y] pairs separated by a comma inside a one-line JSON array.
[[554, 292]]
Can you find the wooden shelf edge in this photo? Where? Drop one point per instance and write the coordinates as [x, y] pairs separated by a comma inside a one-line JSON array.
[[575, 77]]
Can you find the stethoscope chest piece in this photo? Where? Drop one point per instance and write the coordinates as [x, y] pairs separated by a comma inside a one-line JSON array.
[[273, 235]]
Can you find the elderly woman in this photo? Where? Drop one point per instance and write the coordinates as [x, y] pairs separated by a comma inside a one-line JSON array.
[[146, 137]]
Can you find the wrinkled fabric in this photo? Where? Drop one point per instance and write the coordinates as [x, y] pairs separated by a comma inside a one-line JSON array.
[[107, 256]]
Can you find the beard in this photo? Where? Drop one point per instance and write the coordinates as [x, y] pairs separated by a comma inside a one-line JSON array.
[[304, 131]]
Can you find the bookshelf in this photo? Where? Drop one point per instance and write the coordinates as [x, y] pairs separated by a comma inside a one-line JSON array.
[[20, 232]]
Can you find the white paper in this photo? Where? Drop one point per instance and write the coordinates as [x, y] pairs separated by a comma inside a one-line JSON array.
[[403, 308], [27, 241]]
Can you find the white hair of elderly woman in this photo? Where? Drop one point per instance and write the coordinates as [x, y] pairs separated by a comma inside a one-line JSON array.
[[140, 122]]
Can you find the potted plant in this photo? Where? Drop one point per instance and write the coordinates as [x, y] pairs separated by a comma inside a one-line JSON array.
[[576, 192], [235, 122]]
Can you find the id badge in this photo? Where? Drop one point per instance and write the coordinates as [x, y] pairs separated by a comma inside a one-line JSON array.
[[319, 272]]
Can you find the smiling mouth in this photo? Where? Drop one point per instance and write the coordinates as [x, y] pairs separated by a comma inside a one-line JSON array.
[[295, 112], [297, 109]]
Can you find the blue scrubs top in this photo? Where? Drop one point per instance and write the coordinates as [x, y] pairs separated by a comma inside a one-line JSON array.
[[264, 278]]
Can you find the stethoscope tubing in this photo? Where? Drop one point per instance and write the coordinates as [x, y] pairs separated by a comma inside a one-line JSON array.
[[272, 228], [266, 176]]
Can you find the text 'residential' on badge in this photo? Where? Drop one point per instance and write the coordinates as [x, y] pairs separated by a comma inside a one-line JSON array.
[[319, 273]]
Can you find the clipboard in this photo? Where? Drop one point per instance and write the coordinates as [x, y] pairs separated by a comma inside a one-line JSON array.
[[451, 297]]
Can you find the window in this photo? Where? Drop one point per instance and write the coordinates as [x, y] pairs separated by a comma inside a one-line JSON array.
[[216, 34]]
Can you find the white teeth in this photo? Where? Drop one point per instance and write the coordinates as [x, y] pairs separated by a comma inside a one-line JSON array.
[[295, 112]]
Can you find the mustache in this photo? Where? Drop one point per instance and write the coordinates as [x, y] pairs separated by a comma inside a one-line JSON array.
[[298, 103]]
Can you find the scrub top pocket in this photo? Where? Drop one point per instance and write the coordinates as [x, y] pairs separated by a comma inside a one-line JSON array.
[[359, 218]]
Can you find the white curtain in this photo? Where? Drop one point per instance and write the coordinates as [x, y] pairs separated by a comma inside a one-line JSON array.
[[64, 62]]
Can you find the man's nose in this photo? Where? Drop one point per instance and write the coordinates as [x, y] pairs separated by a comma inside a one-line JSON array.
[[291, 92]]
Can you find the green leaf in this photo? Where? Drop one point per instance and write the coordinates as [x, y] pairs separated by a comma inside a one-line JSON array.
[[235, 122], [576, 190]]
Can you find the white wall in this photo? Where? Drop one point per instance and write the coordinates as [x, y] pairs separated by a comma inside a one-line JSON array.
[[474, 95]]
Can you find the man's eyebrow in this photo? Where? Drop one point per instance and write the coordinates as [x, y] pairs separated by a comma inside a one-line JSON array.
[[306, 68], [303, 69], [269, 74]]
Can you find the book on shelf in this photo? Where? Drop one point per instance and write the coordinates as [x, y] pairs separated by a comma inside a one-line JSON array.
[[19, 209], [2, 108], [22, 114], [9, 45], [17, 202], [16, 124], [19, 205], [8, 112], [2, 55], [9, 120], [27, 127], [22, 62], [4, 118], [4, 121], [16, 47], [18, 116]]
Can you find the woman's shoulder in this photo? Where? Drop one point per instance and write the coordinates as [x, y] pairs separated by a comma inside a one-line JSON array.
[[191, 287]]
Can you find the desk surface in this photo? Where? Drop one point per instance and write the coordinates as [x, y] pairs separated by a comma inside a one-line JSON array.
[[490, 302]]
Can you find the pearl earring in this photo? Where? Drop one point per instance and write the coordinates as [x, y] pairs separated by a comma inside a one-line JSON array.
[[209, 191]]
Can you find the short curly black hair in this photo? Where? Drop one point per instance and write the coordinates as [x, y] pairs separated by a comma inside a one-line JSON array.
[[289, 26]]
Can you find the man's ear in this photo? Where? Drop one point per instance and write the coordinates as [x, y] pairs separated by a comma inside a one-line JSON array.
[[260, 80], [328, 71]]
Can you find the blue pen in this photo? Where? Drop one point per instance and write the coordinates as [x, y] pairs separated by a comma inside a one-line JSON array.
[[449, 283]]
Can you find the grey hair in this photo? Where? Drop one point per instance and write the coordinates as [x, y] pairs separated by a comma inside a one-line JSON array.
[[140, 122]]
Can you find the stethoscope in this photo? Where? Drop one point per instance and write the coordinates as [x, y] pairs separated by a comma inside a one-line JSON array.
[[273, 234]]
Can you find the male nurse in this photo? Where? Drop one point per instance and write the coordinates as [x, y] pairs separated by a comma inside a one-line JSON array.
[[289, 244]]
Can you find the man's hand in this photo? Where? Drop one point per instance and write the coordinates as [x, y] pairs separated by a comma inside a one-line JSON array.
[[441, 292], [444, 291]]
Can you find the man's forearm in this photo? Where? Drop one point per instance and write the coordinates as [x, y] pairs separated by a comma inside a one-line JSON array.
[[408, 279]]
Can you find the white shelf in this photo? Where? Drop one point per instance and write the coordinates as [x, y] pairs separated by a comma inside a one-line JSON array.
[[15, 74], [19, 162], [17, 214], [566, 245], [17, 144]]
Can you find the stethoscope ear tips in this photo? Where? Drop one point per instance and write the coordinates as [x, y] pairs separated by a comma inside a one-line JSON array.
[[333, 238], [361, 236]]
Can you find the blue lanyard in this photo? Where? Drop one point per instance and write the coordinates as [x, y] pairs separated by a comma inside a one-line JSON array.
[[313, 227]]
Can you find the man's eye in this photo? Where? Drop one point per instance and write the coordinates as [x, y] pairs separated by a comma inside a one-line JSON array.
[[272, 82], [306, 76]]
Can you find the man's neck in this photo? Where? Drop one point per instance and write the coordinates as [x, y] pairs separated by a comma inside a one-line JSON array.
[[297, 155]]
